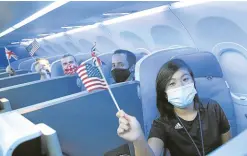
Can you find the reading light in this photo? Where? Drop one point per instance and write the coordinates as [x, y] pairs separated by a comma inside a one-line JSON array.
[[71, 27], [87, 27], [41, 35], [26, 39], [183, 4], [15, 42], [115, 14]]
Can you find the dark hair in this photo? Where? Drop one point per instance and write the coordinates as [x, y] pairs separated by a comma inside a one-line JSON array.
[[68, 55], [131, 58], [164, 76]]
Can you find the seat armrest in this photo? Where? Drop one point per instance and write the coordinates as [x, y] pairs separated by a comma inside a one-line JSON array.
[[4, 105], [15, 129], [50, 142]]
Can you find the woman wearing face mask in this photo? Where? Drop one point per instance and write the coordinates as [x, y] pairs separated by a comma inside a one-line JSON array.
[[187, 125]]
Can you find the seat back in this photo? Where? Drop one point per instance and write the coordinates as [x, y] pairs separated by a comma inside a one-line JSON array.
[[16, 63], [208, 77], [210, 83], [18, 79], [56, 67], [73, 112], [30, 93], [146, 71], [18, 72], [2, 71], [26, 65]]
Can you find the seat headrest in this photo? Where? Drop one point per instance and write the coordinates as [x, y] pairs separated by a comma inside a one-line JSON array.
[[56, 69], [203, 64]]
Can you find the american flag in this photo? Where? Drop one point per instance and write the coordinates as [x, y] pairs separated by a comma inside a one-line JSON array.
[[33, 47], [91, 77], [10, 54], [96, 60]]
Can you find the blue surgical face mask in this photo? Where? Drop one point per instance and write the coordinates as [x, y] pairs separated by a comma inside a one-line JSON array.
[[181, 97]]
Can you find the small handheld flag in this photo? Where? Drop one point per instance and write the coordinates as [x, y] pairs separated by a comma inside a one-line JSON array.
[[91, 77], [10, 54], [96, 60], [33, 47]]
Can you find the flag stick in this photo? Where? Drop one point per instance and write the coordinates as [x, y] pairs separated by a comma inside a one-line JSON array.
[[108, 88], [8, 61]]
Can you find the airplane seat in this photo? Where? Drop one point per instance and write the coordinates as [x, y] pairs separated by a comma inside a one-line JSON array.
[[56, 67], [211, 84], [2, 70], [21, 137], [27, 94], [233, 60], [208, 77], [16, 63], [146, 71], [26, 65], [82, 57], [75, 110], [18, 79], [140, 55], [18, 72]]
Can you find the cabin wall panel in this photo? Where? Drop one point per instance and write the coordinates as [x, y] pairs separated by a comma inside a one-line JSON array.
[[208, 24]]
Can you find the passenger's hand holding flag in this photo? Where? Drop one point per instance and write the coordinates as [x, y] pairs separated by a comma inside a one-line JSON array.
[[93, 77]]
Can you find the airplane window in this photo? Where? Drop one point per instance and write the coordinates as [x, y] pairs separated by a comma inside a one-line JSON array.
[[72, 47], [165, 36], [206, 30], [105, 45], [86, 45], [135, 40]]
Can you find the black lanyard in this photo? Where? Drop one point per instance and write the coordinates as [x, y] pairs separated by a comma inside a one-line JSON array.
[[202, 142]]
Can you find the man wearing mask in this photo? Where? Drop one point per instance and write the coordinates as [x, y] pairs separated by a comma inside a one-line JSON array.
[[10, 70], [42, 66], [69, 65], [123, 66]]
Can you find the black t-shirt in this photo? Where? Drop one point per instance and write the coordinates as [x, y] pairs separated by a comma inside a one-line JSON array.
[[170, 130]]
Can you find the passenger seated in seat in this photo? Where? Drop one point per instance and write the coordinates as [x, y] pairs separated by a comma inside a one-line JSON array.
[[10, 70], [184, 118], [69, 65], [123, 65], [43, 67]]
